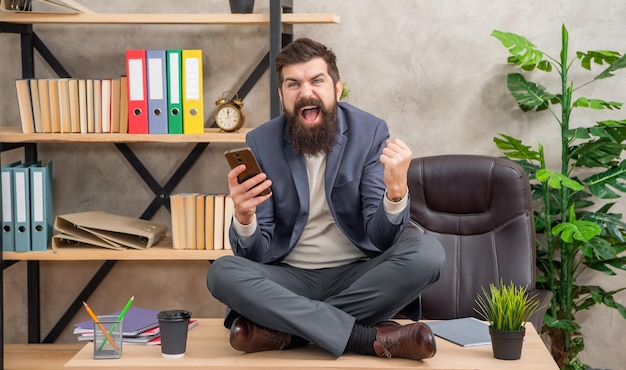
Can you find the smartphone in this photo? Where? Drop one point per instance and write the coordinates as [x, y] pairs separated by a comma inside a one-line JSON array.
[[244, 155]]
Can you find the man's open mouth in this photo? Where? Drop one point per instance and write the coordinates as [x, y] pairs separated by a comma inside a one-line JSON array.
[[309, 114]]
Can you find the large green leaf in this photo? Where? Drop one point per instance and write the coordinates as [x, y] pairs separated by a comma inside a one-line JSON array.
[[599, 153], [557, 180], [580, 230], [618, 64], [529, 95], [599, 184], [599, 295], [598, 249], [611, 222], [513, 148], [596, 104], [524, 53], [597, 56], [568, 325]]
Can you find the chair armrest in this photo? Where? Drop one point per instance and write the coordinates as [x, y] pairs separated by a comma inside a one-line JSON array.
[[544, 297]]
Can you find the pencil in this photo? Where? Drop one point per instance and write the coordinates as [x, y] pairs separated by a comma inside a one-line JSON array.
[[120, 317], [104, 331]]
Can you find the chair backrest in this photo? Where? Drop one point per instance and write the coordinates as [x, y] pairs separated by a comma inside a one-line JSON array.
[[480, 209]]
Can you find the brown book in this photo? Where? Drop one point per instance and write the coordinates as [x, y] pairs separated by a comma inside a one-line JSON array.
[[218, 221], [34, 98], [44, 103], [115, 105], [209, 223], [90, 107], [64, 105], [55, 114], [82, 105], [97, 105], [106, 104], [74, 106], [190, 220], [200, 204], [123, 105], [177, 208], [25, 106], [229, 210]]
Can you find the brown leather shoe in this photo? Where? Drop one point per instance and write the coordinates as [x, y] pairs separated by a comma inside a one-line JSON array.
[[414, 341], [249, 337]]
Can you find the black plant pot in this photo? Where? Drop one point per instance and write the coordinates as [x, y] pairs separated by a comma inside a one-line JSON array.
[[507, 345], [241, 6]]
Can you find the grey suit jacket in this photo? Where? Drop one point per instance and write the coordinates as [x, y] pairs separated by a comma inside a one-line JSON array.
[[353, 181]]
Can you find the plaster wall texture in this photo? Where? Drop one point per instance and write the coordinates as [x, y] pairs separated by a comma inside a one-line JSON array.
[[430, 69]]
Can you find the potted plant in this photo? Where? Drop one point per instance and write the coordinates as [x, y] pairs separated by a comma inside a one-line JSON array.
[[573, 233], [506, 308]]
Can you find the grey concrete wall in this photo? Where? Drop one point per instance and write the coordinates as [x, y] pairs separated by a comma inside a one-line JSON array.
[[430, 68]]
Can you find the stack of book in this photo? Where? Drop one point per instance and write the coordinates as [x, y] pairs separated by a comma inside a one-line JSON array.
[[72, 105], [140, 326], [201, 221]]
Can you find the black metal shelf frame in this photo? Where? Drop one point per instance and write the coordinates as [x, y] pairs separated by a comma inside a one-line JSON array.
[[280, 35]]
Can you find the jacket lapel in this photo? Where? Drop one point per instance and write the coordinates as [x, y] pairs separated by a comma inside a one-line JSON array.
[[334, 157]]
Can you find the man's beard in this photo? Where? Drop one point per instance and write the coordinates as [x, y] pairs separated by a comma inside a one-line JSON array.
[[313, 139]]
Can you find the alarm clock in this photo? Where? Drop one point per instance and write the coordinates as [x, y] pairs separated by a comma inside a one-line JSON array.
[[229, 114]]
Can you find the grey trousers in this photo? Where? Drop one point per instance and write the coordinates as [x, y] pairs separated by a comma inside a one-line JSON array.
[[323, 305]]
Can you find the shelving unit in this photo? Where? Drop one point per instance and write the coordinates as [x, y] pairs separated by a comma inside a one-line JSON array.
[[152, 18], [162, 251], [279, 20], [211, 135]]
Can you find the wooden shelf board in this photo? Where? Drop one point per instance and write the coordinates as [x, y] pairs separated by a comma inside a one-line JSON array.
[[13, 134], [162, 251], [108, 18]]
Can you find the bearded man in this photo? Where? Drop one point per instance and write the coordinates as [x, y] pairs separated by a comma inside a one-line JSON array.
[[328, 257]]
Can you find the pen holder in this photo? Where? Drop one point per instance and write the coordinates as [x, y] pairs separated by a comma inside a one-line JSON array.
[[107, 337]]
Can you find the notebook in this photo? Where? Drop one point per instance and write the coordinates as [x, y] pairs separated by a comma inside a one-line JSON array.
[[466, 332], [137, 320]]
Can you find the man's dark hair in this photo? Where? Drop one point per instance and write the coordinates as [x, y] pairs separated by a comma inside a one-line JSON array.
[[302, 50]]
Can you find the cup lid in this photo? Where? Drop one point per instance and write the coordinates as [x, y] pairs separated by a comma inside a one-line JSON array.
[[174, 315]]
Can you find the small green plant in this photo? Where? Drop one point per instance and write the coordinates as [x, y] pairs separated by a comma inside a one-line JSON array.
[[506, 307]]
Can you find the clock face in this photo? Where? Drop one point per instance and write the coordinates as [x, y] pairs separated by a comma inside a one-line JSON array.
[[228, 117]]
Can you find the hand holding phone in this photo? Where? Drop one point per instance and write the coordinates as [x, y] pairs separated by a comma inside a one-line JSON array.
[[244, 155]]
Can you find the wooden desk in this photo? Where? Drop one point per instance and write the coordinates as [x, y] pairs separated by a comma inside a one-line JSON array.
[[208, 348], [37, 356]]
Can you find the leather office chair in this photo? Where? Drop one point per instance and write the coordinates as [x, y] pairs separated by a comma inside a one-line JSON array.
[[480, 209]]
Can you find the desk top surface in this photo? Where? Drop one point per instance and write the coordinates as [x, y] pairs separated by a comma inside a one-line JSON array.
[[208, 348]]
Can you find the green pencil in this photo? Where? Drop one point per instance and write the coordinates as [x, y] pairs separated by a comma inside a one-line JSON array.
[[120, 317]]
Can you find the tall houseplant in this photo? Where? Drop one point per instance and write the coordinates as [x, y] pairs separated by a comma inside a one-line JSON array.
[[576, 229]]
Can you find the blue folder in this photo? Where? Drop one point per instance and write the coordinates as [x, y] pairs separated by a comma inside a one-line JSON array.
[[157, 91], [21, 211], [41, 206], [8, 222]]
